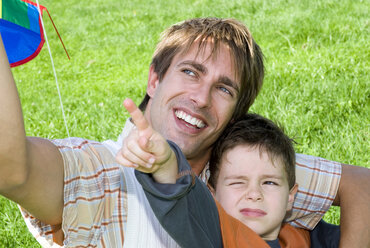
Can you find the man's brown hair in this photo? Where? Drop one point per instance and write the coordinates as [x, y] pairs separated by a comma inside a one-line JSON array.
[[247, 55], [258, 132]]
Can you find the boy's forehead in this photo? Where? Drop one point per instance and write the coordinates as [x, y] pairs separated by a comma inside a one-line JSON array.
[[275, 163]]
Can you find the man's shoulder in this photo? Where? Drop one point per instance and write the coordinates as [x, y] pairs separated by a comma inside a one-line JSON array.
[[74, 143], [92, 156]]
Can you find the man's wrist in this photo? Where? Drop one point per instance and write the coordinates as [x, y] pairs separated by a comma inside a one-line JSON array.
[[167, 173]]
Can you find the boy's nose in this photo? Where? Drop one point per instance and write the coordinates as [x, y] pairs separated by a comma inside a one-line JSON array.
[[254, 193]]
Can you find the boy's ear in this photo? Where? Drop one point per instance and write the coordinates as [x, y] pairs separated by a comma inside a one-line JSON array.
[[153, 82], [291, 197]]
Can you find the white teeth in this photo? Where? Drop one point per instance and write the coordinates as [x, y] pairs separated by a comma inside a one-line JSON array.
[[189, 119], [193, 121]]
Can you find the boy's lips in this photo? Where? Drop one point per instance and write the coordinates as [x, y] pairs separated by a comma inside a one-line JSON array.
[[252, 212]]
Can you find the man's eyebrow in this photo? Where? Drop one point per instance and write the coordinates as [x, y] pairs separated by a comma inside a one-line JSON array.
[[199, 67], [227, 81]]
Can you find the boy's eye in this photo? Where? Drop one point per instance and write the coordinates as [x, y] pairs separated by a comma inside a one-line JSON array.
[[236, 183], [270, 183]]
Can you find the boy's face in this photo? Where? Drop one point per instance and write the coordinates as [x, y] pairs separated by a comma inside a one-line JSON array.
[[253, 190]]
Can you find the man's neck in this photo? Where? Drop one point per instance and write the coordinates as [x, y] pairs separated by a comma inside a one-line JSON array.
[[197, 165]]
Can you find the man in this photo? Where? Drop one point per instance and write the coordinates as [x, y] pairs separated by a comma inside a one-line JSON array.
[[204, 73]]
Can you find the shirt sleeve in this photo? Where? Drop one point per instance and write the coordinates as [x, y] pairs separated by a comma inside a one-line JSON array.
[[318, 182], [186, 209], [92, 193]]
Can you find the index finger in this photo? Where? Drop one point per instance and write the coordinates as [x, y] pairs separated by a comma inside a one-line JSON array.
[[138, 118]]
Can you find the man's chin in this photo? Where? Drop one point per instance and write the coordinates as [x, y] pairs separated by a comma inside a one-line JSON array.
[[189, 150]]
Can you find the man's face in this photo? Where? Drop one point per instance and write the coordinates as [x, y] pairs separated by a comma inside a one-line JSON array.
[[195, 100], [253, 190]]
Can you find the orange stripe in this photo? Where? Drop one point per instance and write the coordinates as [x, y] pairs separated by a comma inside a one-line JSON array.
[[318, 196], [91, 199], [79, 146], [103, 243], [90, 177], [316, 169], [120, 216], [299, 224], [311, 211], [91, 228]]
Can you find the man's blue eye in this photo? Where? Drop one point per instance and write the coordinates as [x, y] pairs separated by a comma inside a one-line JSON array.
[[189, 72], [225, 90]]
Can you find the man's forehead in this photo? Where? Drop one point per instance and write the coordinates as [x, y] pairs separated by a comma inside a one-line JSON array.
[[208, 50], [205, 49]]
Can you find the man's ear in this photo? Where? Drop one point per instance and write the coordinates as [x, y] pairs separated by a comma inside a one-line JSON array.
[[291, 197], [211, 189], [153, 82]]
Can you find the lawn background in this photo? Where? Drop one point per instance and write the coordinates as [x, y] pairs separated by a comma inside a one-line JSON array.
[[316, 84]]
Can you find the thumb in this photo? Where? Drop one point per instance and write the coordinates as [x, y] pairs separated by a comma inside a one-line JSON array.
[[153, 145], [157, 146], [146, 144]]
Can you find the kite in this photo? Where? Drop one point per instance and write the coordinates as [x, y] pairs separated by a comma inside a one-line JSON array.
[[21, 30]]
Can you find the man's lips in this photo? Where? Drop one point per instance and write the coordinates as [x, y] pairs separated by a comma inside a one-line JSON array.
[[189, 119], [251, 212]]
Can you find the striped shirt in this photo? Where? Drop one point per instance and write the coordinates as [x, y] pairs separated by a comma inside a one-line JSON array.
[[95, 195]]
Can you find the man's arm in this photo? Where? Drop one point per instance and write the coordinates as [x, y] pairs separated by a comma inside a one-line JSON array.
[[31, 169], [353, 197]]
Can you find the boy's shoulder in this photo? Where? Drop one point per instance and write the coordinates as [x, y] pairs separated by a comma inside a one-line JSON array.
[[236, 234]]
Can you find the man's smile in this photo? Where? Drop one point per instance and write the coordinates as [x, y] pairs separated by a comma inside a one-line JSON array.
[[193, 121]]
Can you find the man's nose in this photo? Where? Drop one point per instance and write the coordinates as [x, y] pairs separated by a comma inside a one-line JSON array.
[[202, 95]]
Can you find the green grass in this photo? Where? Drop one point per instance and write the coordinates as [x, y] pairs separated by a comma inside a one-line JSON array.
[[316, 85]]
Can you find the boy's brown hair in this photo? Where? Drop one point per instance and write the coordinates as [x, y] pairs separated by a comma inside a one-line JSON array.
[[255, 131], [248, 57]]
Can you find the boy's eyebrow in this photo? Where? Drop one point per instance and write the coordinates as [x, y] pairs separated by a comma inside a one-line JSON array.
[[235, 177], [263, 176], [273, 176]]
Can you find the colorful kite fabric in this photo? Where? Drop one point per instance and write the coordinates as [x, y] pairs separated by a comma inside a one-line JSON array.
[[21, 30]]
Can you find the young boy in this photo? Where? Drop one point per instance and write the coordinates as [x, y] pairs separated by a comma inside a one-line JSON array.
[[252, 178], [253, 175]]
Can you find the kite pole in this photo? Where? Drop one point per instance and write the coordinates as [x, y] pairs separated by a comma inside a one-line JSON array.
[[55, 74], [61, 101]]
